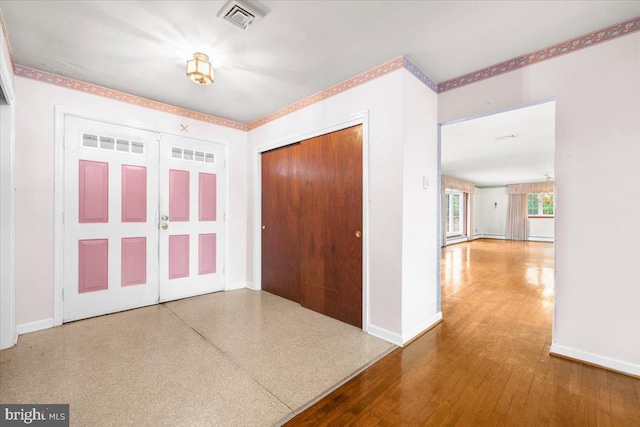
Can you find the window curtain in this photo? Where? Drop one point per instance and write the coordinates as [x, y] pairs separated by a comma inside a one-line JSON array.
[[533, 187], [451, 183], [517, 217], [470, 216]]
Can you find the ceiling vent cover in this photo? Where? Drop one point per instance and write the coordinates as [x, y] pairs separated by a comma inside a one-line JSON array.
[[240, 14]]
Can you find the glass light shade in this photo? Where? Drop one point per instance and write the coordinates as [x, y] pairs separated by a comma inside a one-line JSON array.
[[199, 69]]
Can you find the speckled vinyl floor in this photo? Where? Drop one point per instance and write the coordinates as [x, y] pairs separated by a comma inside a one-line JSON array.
[[239, 358]]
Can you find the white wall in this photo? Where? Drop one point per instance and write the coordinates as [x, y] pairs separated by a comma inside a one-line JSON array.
[[7, 198], [597, 91], [420, 239], [35, 184], [492, 218], [384, 100], [541, 229]]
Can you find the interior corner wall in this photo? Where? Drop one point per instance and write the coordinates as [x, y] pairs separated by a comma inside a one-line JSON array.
[[597, 91], [420, 238], [36, 102], [7, 199], [382, 98]]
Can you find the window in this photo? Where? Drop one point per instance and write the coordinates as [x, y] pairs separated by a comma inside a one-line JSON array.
[[540, 204], [454, 205]]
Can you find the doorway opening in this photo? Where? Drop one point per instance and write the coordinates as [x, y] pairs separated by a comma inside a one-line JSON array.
[[498, 192]]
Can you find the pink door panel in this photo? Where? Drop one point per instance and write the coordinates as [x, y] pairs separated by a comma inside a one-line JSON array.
[[178, 256], [134, 261], [93, 261], [178, 195], [206, 253], [134, 193], [207, 196], [94, 192]]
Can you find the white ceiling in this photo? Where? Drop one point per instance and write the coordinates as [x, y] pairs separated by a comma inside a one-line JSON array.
[[470, 150], [299, 48]]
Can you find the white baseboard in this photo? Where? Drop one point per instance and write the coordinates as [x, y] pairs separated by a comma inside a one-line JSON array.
[[38, 325], [540, 239], [503, 237], [595, 359], [385, 334], [493, 236], [236, 285], [457, 240], [251, 286], [421, 327]]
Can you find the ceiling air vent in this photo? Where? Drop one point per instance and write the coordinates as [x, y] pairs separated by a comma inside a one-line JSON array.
[[240, 14]]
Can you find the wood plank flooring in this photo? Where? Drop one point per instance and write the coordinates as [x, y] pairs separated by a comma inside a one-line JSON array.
[[488, 363]]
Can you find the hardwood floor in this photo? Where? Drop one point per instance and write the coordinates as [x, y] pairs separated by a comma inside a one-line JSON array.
[[488, 363]]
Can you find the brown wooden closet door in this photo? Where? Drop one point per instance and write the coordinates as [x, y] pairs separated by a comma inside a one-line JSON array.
[[281, 222], [330, 174]]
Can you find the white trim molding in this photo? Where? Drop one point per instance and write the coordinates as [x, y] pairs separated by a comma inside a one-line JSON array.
[[491, 236], [502, 237], [422, 327], [385, 334], [595, 359], [38, 325], [236, 285], [361, 118], [455, 240], [540, 239], [7, 199]]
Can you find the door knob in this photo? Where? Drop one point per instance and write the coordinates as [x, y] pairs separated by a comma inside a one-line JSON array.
[[358, 234], [164, 217], [264, 227], [165, 225]]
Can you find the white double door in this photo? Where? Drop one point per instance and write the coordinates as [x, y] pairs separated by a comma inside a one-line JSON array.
[[143, 218]]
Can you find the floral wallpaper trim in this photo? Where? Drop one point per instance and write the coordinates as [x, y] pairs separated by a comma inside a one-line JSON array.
[[587, 40], [92, 89]]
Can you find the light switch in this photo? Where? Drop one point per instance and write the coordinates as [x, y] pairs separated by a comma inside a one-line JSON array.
[[425, 182]]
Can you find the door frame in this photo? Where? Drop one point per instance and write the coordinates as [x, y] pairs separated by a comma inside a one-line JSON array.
[[8, 335], [60, 114], [361, 118]]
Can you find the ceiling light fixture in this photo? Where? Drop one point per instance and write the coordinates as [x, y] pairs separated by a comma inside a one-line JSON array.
[[546, 198], [199, 69]]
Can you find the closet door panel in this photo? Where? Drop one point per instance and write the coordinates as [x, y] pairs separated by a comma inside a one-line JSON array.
[[281, 222], [330, 174]]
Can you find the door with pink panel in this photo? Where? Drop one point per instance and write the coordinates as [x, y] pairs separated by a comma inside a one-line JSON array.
[[110, 218], [192, 232]]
